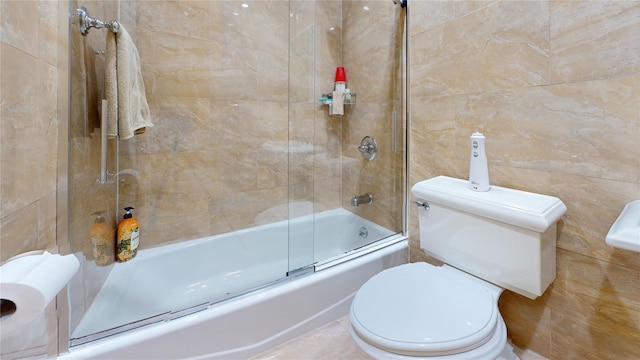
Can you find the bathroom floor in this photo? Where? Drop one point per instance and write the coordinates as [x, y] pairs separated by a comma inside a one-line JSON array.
[[333, 341]]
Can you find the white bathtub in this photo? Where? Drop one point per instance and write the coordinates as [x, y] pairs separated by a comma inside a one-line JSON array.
[[240, 326]]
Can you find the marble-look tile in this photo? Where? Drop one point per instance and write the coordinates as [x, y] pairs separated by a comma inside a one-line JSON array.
[[301, 66], [593, 205], [594, 40], [231, 120], [238, 215], [504, 45], [331, 341], [19, 25], [189, 72], [170, 209], [328, 44], [432, 132], [190, 19], [62, 39], [372, 81], [19, 231], [47, 222], [29, 129], [587, 128], [180, 124], [528, 321], [595, 309], [48, 36], [427, 14], [325, 196]]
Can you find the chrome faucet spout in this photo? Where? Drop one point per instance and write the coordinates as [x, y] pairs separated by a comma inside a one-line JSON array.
[[366, 198]]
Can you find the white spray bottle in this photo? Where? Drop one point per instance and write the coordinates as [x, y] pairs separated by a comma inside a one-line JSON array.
[[478, 169]]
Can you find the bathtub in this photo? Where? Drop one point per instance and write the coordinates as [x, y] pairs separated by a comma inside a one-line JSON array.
[[222, 309]]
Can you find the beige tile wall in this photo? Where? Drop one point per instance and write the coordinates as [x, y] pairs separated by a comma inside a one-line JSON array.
[[33, 67], [226, 110], [571, 68], [555, 88], [374, 30]]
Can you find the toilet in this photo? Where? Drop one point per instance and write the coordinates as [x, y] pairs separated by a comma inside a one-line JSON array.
[[487, 242]]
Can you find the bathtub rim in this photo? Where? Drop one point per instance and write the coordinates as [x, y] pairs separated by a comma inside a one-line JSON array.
[[397, 245]]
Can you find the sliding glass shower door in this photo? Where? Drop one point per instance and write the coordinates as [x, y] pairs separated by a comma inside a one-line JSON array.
[[245, 179]]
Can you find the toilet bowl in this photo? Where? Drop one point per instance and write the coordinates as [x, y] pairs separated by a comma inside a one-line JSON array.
[[489, 241]]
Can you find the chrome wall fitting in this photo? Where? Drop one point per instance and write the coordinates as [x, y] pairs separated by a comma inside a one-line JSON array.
[[366, 198], [86, 22], [368, 148]]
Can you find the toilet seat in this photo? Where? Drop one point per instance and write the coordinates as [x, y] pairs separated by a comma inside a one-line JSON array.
[[393, 314]]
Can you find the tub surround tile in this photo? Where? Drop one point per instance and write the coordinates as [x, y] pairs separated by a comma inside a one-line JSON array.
[[371, 80], [266, 119], [188, 73], [190, 19]]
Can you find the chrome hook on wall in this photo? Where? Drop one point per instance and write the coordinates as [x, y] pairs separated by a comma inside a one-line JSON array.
[[368, 148]]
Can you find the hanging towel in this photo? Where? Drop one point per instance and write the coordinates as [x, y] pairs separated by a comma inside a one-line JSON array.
[[128, 111]]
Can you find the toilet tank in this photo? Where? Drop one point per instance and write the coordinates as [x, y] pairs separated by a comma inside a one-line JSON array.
[[504, 236]]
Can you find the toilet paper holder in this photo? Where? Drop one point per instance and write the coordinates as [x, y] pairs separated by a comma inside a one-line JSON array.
[[8, 307], [28, 284]]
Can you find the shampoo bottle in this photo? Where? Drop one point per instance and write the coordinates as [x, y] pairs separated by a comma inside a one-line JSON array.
[[128, 237], [478, 169], [102, 240]]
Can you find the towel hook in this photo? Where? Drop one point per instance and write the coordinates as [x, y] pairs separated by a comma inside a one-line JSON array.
[[86, 22]]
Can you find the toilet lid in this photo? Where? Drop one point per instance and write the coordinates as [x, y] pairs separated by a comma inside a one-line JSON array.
[[397, 310]]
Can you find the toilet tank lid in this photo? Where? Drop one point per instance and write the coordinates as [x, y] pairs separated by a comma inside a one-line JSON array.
[[532, 211]]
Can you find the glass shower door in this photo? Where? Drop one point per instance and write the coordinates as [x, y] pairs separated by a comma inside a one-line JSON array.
[[327, 168]]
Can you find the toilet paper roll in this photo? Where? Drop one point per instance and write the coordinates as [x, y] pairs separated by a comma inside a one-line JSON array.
[[29, 283]]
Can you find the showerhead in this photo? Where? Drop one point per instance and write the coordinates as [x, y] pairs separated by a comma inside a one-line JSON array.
[[402, 3]]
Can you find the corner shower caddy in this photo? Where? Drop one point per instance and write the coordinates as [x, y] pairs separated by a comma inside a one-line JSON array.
[[347, 99]]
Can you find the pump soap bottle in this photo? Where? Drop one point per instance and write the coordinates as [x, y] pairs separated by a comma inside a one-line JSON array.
[[128, 237], [102, 240], [478, 168]]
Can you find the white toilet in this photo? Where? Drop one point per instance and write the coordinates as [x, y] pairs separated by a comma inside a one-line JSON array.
[[488, 241]]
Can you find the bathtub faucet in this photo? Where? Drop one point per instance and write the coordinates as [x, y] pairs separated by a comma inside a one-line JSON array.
[[366, 198]]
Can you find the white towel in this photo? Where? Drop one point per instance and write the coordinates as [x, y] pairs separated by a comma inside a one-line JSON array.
[[128, 111]]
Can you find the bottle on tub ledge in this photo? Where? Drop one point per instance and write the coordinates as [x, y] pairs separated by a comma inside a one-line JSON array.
[[128, 237], [102, 240]]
